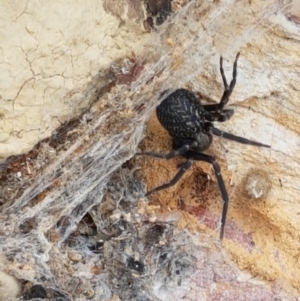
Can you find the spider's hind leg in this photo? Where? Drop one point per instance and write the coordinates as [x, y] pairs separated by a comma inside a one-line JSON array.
[[242, 140], [227, 89], [225, 115]]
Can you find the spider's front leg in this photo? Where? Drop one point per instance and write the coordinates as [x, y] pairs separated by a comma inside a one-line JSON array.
[[183, 167], [209, 159], [172, 154]]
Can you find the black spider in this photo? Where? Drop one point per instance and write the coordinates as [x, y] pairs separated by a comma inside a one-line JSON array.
[[190, 124]]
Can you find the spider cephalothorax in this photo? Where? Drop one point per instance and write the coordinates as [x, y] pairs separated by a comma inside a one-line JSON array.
[[190, 124]]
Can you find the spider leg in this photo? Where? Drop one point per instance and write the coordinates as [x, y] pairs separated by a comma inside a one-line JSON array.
[[209, 159], [224, 115], [183, 168], [239, 139], [173, 153], [228, 89], [223, 74]]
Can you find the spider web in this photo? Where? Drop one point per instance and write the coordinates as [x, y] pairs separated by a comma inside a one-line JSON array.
[[78, 175]]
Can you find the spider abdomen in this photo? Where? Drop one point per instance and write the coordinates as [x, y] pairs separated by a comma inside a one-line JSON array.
[[181, 114]]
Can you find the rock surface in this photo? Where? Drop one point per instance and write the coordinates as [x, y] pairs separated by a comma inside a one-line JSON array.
[[101, 64]]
